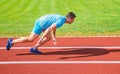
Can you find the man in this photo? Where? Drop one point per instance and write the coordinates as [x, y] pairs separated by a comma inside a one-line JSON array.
[[46, 24]]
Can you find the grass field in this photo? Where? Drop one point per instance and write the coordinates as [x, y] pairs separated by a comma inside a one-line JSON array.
[[94, 17]]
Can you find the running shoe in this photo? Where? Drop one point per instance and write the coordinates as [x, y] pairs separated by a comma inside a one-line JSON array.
[[9, 43], [35, 51]]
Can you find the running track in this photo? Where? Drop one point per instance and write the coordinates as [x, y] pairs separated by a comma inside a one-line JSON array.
[[72, 55]]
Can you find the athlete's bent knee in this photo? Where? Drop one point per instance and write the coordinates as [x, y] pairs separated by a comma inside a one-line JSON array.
[[30, 39]]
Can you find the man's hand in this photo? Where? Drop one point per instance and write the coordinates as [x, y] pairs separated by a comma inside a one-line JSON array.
[[54, 42]]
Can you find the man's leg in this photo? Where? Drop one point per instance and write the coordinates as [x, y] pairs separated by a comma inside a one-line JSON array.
[[31, 38], [41, 41], [10, 42]]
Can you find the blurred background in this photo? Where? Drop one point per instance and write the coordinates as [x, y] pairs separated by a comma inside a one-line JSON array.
[[94, 17]]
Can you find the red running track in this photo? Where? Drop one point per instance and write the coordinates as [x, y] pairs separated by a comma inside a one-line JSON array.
[[64, 54]]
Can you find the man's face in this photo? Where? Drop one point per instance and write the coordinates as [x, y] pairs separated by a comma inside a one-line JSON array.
[[70, 20]]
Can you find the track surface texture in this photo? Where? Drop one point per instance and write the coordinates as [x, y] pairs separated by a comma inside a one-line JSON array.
[[72, 55]]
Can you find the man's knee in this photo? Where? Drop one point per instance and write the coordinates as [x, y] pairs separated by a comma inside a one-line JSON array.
[[30, 39]]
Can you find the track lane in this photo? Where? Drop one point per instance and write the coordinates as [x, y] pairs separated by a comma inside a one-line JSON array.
[[64, 54]]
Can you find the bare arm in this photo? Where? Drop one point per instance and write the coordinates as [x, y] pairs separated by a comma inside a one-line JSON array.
[[54, 36], [54, 33]]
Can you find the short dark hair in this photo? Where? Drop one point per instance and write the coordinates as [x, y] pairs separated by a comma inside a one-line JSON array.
[[71, 15]]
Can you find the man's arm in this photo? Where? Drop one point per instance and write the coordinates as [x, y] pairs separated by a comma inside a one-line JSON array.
[[53, 33]]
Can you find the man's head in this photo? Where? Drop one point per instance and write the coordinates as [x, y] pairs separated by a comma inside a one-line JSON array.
[[70, 17]]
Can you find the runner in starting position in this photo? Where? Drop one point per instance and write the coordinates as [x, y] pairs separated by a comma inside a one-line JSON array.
[[46, 24]]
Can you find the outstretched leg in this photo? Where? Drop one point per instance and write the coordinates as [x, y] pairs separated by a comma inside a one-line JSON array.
[[31, 38], [10, 41]]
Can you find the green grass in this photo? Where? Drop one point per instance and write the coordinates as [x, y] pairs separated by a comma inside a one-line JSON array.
[[94, 17]]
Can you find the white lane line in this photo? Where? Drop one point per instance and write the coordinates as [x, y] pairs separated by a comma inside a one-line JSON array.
[[88, 37], [102, 47], [60, 62]]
